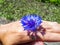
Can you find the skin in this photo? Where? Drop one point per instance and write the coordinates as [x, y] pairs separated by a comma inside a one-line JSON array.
[[13, 33]]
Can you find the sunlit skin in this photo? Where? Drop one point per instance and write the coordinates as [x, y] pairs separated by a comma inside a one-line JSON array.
[[13, 33]]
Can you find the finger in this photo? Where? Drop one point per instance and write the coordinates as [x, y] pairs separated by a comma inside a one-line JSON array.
[[51, 26], [53, 30], [48, 24], [50, 36]]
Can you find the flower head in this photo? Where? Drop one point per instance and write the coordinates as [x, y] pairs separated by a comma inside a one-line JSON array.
[[31, 22]]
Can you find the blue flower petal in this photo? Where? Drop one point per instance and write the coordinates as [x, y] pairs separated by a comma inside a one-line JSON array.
[[31, 22]]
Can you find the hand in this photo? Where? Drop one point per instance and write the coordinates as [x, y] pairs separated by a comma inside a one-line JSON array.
[[52, 31], [13, 33]]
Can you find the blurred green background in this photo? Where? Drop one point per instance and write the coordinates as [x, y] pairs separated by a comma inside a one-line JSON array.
[[13, 10]]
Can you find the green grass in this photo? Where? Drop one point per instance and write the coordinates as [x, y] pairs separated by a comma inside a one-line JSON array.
[[15, 9]]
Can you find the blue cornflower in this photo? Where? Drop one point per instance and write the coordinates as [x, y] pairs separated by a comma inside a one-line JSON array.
[[31, 22]]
